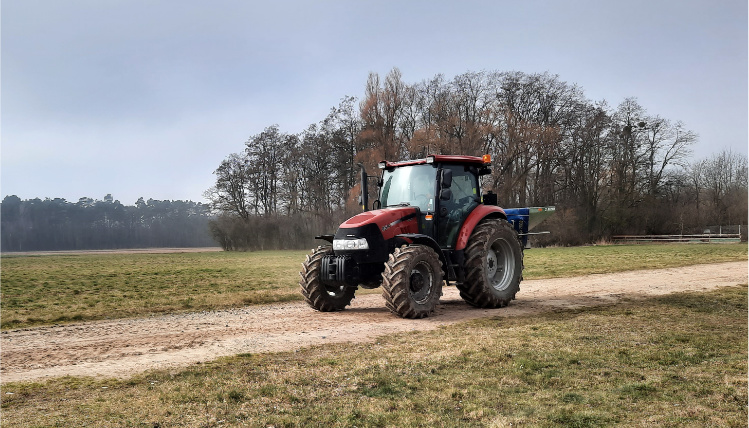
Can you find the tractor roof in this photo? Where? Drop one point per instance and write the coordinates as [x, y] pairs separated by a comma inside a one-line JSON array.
[[469, 160]]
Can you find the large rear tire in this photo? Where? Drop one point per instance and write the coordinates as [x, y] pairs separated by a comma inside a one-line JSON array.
[[494, 265], [324, 298], [412, 281]]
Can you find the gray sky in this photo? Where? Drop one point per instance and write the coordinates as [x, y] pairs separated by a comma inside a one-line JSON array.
[[146, 97]]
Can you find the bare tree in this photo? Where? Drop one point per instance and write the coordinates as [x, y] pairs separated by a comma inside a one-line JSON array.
[[666, 145], [230, 193], [381, 112], [724, 180], [266, 156], [611, 170]]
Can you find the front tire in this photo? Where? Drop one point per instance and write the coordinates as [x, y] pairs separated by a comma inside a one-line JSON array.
[[412, 281], [324, 298], [494, 265]]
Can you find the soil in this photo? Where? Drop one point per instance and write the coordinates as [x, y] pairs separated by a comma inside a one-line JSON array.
[[121, 348]]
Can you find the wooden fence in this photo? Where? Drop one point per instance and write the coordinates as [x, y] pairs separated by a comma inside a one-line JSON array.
[[706, 237]]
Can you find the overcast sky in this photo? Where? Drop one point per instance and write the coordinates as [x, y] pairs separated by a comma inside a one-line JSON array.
[[146, 97]]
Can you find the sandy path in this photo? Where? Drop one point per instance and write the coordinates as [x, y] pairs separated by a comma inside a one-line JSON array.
[[124, 347]]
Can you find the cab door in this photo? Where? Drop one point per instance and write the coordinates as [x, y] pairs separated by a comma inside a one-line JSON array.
[[452, 211]]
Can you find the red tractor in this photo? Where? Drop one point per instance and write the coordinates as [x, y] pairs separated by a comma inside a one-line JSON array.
[[431, 224]]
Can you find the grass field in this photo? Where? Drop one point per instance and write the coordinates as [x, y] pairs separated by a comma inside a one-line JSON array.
[[678, 360], [43, 290]]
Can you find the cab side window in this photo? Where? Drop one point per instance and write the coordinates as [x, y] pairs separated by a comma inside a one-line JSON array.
[[465, 197], [463, 186]]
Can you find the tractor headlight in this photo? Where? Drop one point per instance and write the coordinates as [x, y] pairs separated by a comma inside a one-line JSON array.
[[350, 244]]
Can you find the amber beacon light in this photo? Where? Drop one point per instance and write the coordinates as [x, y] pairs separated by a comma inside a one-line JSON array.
[[487, 159]]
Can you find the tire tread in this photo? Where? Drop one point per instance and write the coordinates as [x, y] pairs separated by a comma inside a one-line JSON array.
[[475, 290], [396, 278], [312, 288]]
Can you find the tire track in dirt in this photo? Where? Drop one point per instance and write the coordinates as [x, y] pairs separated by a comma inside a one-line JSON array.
[[121, 348]]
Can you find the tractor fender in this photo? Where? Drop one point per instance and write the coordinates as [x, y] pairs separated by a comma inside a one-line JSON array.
[[417, 238], [479, 213]]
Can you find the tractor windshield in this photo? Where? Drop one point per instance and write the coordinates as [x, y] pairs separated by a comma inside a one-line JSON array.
[[414, 185]]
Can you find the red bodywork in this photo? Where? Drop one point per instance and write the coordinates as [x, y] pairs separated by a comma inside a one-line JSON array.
[[479, 213], [391, 221], [400, 220]]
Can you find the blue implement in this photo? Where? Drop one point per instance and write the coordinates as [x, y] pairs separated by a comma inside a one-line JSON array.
[[525, 219]]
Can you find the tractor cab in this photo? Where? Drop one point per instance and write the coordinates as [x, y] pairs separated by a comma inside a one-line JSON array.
[[444, 190]]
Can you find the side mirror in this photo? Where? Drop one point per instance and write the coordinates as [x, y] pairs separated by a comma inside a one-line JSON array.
[[446, 179], [446, 194]]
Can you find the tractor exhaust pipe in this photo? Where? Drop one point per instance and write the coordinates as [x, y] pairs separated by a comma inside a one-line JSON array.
[[364, 195]]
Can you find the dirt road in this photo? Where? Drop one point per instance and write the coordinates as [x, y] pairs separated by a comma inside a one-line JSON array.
[[124, 347]]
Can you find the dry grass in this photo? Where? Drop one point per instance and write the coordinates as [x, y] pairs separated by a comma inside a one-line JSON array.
[[575, 261], [42, 290], [679, 360], [51, 289]]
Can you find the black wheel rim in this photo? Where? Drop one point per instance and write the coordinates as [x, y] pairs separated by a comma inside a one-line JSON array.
[[421, 282]]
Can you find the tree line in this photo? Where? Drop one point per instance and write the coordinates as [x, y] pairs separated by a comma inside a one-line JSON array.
[[56, 224], [608, 169]]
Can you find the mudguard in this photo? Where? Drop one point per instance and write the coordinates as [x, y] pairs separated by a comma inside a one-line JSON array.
[[522, 219], [479, 213], [417, 238]]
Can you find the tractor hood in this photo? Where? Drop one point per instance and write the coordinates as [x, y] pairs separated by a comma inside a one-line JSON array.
[[387, 221]]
